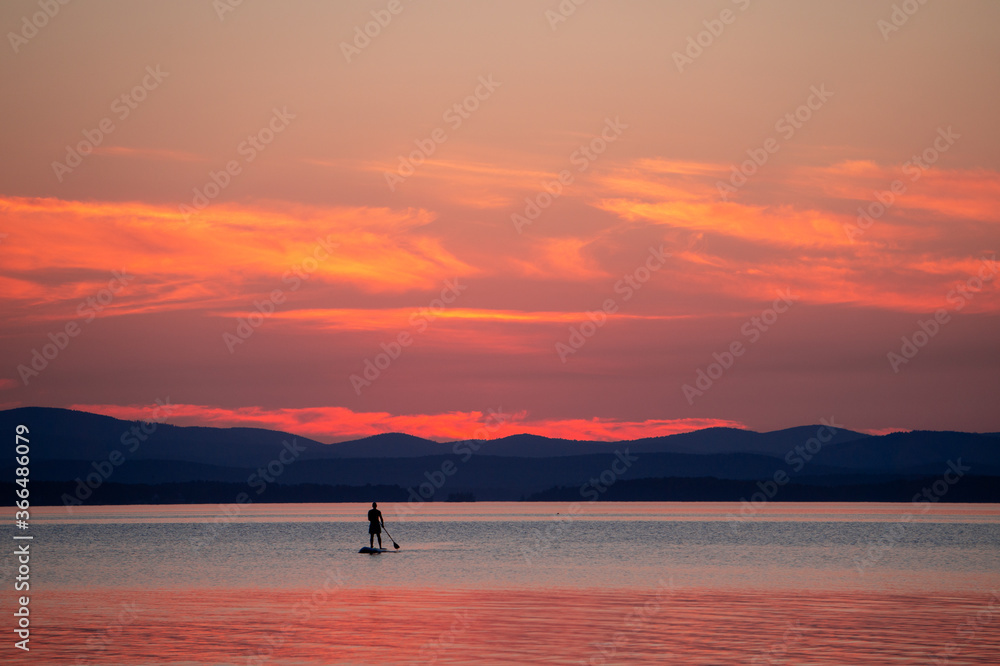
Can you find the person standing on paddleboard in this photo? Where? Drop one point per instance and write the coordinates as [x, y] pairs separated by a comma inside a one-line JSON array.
[[375, 525]]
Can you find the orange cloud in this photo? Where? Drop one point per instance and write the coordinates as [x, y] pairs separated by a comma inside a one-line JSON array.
[[359, 319], [215, 257], [878, 432], [687, 195], [907, 259], [339, 424], [611, 430], [560, 258], [971, 194], [780, 225], [57, 253]]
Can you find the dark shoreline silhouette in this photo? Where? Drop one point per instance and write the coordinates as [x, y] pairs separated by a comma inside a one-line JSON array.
[[972, 489], [83, 458]]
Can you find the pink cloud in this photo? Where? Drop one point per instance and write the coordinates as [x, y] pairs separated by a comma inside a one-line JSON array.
[[339, 423]]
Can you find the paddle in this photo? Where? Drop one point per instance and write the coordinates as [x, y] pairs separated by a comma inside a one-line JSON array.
[[394, 544]]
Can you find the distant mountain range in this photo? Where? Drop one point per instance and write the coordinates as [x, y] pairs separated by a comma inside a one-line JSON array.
[[122, 462]]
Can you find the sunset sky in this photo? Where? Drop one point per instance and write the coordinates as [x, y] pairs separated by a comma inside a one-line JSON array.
[[564, 219]]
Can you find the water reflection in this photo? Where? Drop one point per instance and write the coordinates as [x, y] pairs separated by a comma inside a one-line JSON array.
[[554, 626], [492, 583]]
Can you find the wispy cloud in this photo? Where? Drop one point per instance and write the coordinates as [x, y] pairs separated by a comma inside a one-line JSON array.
[[225, 252]]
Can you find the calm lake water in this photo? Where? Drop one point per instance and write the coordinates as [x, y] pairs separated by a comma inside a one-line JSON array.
[[485, 583]]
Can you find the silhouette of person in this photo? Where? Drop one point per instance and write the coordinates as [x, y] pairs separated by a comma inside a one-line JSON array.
[[375, 525]]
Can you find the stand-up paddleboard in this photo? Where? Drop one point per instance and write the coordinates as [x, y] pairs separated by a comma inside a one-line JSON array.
[[373, 551]]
